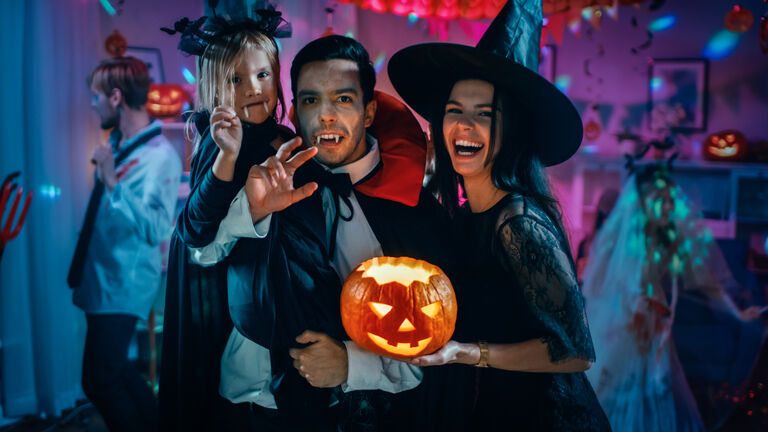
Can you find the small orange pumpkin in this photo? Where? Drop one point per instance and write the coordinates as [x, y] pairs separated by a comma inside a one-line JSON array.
[[727, 145], [115, 44], [398, 307], [738, 19], [166, 100]]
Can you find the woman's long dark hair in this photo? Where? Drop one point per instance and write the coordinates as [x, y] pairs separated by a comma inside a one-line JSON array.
[[516, 168]]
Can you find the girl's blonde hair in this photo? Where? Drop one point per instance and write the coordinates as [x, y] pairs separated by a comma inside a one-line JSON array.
[[216, 68]]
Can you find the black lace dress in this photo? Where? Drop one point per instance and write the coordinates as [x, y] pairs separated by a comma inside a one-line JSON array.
[[516, 283]]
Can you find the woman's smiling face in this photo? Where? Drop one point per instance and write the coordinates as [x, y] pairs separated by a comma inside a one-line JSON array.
[[467, 127]]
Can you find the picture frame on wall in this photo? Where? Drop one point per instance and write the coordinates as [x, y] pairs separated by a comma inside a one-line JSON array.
[[154, 60], [678, 94], [547, 60]]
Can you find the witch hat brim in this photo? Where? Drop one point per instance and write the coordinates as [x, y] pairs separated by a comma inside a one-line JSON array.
[[424, 75]]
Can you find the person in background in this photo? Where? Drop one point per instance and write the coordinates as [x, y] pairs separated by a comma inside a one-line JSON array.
[[116, 268], [604, 206], [651, 251]]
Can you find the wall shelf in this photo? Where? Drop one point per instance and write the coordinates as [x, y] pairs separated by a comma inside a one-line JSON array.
[[730, 193]]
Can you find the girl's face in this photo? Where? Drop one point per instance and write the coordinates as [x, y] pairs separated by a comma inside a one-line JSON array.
[[467, 127], [254, 85]]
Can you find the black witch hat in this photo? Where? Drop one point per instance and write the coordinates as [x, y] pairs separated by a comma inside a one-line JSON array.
[[506, 56]]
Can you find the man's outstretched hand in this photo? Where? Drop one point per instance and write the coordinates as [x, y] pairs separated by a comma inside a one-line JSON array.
[[269, 186]]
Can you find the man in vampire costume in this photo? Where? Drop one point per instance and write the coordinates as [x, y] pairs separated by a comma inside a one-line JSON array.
[[309, 226]]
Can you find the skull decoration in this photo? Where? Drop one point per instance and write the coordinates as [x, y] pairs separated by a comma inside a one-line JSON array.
[[398, 307], [728, 145]]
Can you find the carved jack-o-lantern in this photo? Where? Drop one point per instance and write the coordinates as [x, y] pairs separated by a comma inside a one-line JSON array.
[[738, 19], [166, 100], [728, 145], [398, 307], [115, 44]]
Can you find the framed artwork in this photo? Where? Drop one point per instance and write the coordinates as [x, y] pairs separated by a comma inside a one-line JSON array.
[[547, 62], [153, 59], [678, 94]]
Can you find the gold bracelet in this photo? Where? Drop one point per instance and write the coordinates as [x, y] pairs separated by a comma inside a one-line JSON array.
[[483, 362]]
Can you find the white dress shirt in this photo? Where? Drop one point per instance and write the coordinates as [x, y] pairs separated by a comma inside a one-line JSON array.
[[245, 365], [123, 266]]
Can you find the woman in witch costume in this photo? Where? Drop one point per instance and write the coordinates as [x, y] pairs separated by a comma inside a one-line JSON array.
[[239, 92], [521, 318]]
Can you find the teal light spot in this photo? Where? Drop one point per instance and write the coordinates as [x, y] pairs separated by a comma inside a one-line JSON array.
[[379, 62], [662, 23], [681, 210], [657, 206], [656, 256], [412, 18], [563, 82], [349, 34], [108, 7], [676, 266], [660, 183], [50, 191], [649, 290], [188, 75], [697, 262], [586, 13], [672, 234], [656, 84], [721, 45], [686, 246]]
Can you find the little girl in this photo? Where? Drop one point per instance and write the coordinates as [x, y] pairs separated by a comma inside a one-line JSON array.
[[236, 124]]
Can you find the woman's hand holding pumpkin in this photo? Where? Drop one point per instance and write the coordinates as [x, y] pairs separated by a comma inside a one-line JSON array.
[[451, 352]]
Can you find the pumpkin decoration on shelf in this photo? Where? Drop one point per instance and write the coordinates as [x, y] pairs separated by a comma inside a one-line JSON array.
[[727, 145], [398, 307], [738, 19], [166, 100]]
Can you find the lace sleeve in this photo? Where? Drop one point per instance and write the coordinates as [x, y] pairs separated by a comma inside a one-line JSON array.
[[532, 253]]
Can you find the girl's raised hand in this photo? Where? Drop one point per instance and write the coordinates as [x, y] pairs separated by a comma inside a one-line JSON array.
[[226, 130]]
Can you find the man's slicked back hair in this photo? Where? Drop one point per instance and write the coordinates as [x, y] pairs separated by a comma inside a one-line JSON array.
[[337, 47]]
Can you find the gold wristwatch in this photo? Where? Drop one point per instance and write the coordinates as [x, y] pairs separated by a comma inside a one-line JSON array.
[[483, 362]]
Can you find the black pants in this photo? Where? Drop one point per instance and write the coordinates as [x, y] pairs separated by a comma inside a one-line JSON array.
[[112, 384]]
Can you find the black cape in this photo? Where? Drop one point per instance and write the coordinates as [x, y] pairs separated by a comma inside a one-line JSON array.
[[196, 321], [282, 285]]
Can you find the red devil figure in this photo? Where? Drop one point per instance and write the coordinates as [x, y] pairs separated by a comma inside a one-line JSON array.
[[7, 231]]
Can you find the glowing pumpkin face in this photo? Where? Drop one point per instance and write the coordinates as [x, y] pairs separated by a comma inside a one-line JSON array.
[[726, 145], [398, 307], [166, 100], [738, 19]]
